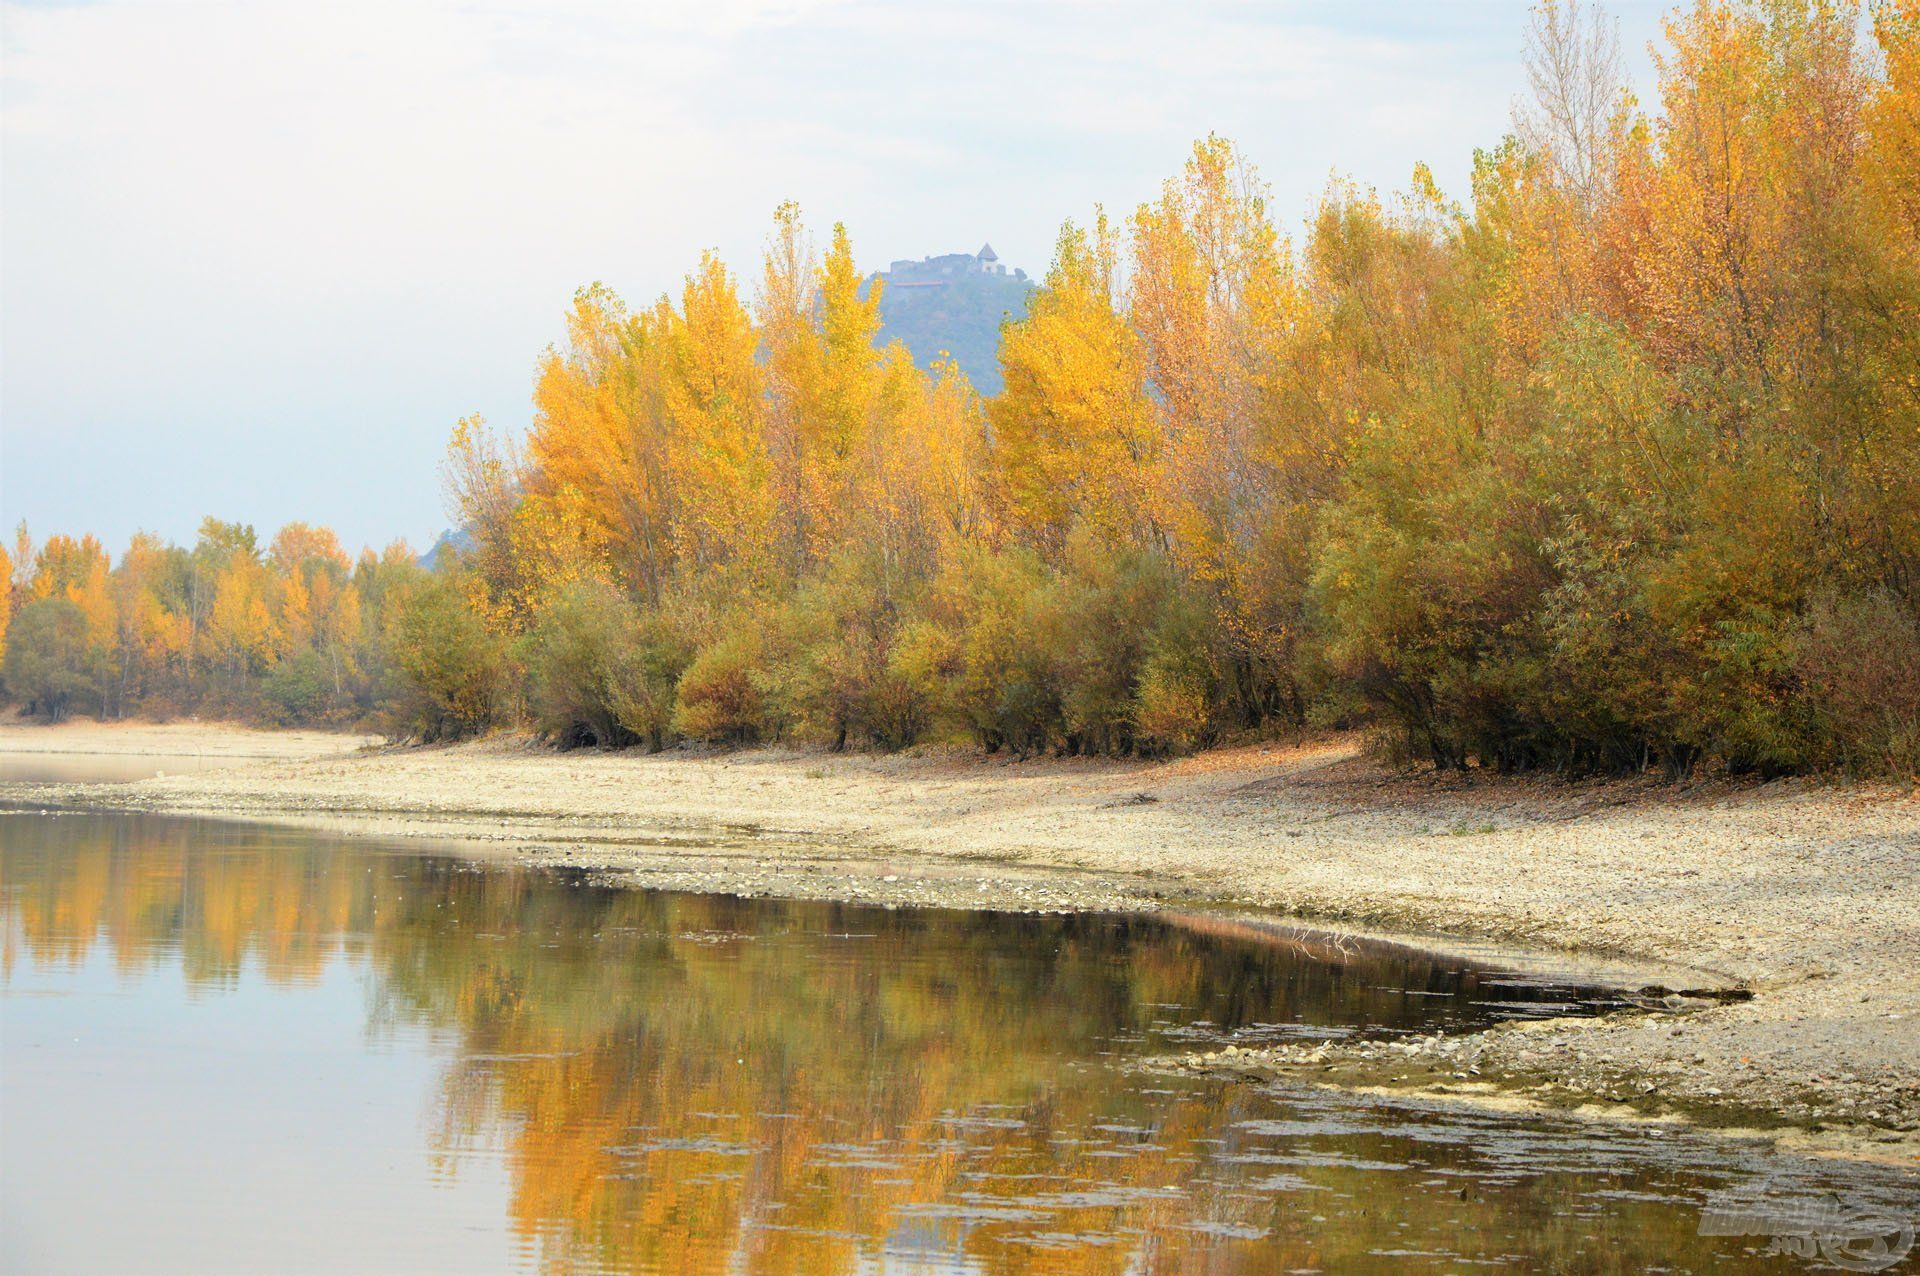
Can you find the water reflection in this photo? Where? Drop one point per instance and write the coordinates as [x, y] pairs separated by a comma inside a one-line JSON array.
[[670, 1083]]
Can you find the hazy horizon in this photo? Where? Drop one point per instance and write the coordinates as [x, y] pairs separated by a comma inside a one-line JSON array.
[[273, 252]]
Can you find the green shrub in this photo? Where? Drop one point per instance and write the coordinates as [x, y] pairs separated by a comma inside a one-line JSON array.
[[1175, 704], [648, 679], [838, 675], [925, 664], [299, 689], [577, 654], [993, 609], [51, 667], [1106, 614], [449, 673]]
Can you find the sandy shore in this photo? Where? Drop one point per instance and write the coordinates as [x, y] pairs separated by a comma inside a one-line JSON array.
[[1803, 894], [173, 739]]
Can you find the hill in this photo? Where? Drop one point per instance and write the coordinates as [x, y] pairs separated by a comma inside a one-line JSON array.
[[955, 304]]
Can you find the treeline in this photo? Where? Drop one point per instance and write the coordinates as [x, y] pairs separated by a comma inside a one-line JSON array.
[[293, 632], [1614, 464]]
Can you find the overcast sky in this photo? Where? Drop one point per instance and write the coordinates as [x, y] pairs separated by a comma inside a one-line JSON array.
[[256, 258]]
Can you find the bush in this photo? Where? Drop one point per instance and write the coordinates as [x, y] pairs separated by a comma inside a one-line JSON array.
[[577, 655], [448, 670], [1105, 615], [724, 694], [1858, 659], [925, 664], [1174, 705], [648, 679], [1387, 593], [839, 676], [983, 639], [299, 689], [50, 667], [1018, 656], [1609, 683]]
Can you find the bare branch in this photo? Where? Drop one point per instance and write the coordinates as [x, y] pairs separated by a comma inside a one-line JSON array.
[[1575, 75]]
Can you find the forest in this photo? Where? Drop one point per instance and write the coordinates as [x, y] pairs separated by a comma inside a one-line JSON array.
[[1611, 462]]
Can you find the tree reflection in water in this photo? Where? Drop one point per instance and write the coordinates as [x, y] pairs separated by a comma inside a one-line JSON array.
[[688, 1083]]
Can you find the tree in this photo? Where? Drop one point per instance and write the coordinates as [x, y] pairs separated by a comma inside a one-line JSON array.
[[153, 642], [1575, 82], [1075, 439], [482, 478], [243, 636], [718, 463], [788, 309], [78, 571], [301, 547], [598, 452], [1217, 305], [6, 598], [52, 664]]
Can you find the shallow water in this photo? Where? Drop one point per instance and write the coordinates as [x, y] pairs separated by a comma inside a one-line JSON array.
[[107, 768], [233, 1049]]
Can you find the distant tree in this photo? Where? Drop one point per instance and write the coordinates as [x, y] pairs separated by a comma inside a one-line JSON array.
[[298, 545], [6, 598], [51, 665]]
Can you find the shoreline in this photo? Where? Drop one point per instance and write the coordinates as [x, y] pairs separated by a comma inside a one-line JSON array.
[[1803, 894], [22, 737]]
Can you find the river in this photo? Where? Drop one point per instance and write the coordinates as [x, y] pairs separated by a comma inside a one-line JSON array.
[[235, 1048]]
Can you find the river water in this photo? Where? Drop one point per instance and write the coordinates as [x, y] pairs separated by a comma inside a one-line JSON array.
[[228, 1048], [95, 768]]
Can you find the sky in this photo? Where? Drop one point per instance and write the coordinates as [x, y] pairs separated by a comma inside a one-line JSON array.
[[257, 257]]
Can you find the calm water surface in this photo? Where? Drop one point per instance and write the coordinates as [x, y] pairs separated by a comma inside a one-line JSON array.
[[107, 768], [228, 1049]]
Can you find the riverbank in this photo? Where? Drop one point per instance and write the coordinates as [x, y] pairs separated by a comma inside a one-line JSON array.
[[172, 739], [1801, 893]]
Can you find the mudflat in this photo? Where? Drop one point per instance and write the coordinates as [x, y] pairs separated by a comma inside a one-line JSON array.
[[1800, 896]]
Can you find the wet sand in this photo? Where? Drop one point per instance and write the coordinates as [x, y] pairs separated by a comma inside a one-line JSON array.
[[1802, 893]]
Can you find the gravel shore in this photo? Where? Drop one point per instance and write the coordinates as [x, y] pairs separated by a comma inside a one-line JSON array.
[[1802, 894]]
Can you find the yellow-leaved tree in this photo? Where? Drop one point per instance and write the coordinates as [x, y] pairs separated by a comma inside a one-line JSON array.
[[1075, 439], [788, 309], [718, 461], [242, 634], [598, 450], [6, 597], [1214, 298]]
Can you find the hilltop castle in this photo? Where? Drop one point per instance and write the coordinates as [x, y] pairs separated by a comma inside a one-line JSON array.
[[936, 272], [952, 306]]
